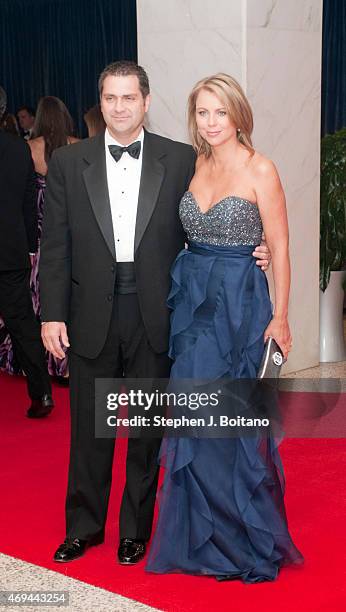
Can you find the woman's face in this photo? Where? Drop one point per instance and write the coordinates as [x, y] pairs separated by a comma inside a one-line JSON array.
[[213, 121]]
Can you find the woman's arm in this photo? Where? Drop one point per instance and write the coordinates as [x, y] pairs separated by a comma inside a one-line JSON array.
[[272, 206]]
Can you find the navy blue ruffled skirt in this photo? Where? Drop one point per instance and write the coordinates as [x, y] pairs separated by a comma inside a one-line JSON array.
[[221, 507]]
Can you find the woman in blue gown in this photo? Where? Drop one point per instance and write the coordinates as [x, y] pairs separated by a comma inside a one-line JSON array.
[[221, 507]]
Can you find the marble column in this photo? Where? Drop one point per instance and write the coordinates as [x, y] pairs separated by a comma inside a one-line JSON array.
[[179, 42], [273, 48]]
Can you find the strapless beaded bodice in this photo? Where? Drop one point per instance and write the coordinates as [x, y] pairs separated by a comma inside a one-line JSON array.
[[232, 221]]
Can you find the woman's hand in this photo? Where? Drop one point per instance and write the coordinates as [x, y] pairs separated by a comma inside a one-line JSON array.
[[279, 329]]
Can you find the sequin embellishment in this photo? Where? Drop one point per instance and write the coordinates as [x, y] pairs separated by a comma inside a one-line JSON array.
[[230, 222]]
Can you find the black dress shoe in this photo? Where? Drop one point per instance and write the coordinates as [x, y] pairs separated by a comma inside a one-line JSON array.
[[40, 407], [130, 551], [73, 548]]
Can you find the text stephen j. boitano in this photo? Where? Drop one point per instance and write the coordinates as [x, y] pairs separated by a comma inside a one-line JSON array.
[[183, 421]]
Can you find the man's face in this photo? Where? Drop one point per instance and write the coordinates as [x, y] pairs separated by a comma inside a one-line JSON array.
[[123, 107], [26, 121]]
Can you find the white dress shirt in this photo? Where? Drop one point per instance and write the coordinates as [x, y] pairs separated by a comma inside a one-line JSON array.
[[28, 134], [123, 178]]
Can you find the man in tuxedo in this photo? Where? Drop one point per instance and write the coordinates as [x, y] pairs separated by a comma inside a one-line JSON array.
[[18, 238], [111, 232], [26, 120]]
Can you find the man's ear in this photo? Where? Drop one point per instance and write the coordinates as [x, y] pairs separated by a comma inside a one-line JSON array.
[[147, 103]]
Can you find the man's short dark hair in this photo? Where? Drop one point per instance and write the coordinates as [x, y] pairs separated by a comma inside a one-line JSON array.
[[126, 68], [29, 110], [3, 101]]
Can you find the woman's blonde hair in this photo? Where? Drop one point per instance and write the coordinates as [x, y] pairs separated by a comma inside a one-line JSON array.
[[238, 108]]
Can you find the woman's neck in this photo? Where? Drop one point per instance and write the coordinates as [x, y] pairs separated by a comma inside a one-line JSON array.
[[228, 155]]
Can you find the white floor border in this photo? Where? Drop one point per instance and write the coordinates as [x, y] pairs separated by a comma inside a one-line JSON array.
[[16, 575]]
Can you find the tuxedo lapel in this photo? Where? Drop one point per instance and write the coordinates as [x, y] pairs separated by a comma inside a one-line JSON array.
[[152, 175], [95, 178]]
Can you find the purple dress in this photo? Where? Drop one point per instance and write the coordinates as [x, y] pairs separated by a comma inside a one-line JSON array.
[[8, 361]]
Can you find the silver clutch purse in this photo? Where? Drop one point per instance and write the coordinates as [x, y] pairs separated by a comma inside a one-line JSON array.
[[271, 361]]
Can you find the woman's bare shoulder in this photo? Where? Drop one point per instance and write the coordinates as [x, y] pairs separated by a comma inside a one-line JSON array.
[[36, 144], [262, 166]]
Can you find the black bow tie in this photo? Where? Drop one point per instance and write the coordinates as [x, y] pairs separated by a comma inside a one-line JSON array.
[[133, 149]]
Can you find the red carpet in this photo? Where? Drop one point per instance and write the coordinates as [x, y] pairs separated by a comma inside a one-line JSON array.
[[34, 456]]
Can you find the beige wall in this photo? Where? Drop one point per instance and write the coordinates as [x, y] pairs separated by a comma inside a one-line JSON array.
[[273, 47]]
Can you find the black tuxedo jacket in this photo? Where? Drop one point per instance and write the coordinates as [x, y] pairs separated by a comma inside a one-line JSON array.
[[18, 205], [78, 261]]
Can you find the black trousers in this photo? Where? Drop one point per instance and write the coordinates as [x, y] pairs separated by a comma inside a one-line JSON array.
[[24, 329], [126, 353]]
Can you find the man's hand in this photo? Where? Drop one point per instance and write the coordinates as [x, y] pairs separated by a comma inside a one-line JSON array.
[[32, 258], [263, 255], [54, 337]]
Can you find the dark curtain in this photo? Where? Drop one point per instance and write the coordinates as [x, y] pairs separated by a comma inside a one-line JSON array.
[[334, 66], [59, 48]]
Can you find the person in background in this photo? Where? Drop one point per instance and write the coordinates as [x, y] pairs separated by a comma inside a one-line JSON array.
[[95, 121], [53, 128], [9, 124], [18, 238], [8, 358], [26, 119]]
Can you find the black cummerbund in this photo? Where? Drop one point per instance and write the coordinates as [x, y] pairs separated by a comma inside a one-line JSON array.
[[125, 277]]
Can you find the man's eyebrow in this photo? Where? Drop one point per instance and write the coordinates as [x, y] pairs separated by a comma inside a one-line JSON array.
[[122, 96]]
